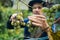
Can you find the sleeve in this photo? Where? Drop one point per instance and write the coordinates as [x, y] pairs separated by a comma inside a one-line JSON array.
[[26, 20], [9, 26], [26, 32]]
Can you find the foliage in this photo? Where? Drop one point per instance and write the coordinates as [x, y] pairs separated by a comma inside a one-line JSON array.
[[6, 34]]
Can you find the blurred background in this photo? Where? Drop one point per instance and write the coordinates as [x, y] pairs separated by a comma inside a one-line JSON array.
[[9, 7]]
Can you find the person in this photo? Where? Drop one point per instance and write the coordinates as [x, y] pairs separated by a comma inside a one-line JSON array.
[[38, 19]]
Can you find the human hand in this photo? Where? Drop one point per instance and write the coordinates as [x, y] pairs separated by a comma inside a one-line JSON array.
[[39, 21]]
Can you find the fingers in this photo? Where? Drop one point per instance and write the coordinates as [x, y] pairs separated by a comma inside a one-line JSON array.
[[37, 16], [36, 19], [13, 17], [40, 16]]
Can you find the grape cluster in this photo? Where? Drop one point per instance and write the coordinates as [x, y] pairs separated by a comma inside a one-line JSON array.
[[52, 9], [50, 13], [18, 21]]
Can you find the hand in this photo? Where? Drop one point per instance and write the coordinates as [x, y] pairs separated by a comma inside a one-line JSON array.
[[12, 18], [39, 20]]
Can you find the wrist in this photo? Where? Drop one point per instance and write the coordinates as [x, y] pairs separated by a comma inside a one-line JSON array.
[[46, 29]]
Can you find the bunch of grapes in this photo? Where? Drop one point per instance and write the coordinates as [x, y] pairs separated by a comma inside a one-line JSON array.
[[45, 10], [52, 9], [18, 20], [18, 23], [55, 8], [31, 28], [50, 13]]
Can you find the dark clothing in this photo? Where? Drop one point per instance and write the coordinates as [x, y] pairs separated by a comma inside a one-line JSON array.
[[9, 26]]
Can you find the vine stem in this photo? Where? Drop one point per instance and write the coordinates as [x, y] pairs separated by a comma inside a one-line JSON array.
[[25, 3]]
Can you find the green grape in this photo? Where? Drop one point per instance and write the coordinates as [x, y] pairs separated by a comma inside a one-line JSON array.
[[15, 24], [59, 6], [56, 6], [52, 10], [19, 16], [18, 22], [28, 25], [23, 23], [45, 9], [12, 23]]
